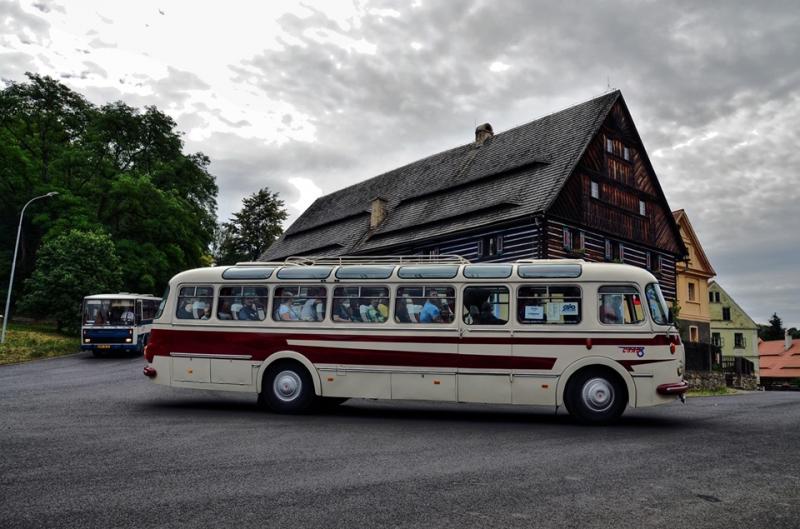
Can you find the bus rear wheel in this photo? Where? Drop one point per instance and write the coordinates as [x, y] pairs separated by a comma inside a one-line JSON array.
[[595, 396], [287, 388]]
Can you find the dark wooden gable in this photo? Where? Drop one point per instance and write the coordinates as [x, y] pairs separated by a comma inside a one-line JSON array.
[[624, 177]]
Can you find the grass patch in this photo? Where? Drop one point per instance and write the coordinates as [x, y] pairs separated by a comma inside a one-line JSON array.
[[30, 341], [710, 392]]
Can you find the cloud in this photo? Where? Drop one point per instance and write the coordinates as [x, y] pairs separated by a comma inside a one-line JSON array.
[[333, 93]]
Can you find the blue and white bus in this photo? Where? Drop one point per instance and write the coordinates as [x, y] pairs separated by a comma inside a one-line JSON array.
[[117, 322]]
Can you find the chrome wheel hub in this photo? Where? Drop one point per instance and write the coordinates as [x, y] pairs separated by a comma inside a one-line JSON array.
[[598, 394], [287, 386]]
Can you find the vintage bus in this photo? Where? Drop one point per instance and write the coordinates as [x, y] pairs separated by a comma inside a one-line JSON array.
[[592, 337], [117, 322]]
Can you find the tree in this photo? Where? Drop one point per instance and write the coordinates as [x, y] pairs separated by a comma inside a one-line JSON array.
[[252, 230], [118, 170], [773, 331], [69, 267]]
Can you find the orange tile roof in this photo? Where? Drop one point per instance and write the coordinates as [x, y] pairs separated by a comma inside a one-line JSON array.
[[777, 363]]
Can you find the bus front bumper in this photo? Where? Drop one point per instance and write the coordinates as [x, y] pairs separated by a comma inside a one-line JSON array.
[[109, 346]]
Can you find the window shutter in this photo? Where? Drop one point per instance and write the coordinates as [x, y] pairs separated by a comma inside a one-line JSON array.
[[499, 244], [581, 241], [608, 249], [621, 252], [567, 238], [480, 248]]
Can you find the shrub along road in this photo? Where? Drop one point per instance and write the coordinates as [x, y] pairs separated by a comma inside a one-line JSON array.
[[88, 442]]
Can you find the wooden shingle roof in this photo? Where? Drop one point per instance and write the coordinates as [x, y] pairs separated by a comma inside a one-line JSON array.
[[516, 173]]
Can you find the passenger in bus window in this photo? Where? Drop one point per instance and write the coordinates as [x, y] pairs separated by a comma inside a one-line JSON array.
[[314, 307], [206, 313], [401, 312], [342, 310], [611, 309], [487, 316], [224, 311], [185, 309], [383, 308], [286, 311], [431, 313], [368, 309], [249, 311]]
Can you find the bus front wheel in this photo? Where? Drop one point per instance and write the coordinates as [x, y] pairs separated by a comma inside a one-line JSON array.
[[595, 396], [287, 388]]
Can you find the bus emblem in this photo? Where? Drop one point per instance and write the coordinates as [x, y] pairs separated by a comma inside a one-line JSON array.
[[638, 350]]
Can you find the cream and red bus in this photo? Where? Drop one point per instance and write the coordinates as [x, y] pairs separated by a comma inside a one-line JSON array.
[[592, 337]]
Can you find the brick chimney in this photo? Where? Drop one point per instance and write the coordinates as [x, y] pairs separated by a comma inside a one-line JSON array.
[[483, 133], [377, 212], [787, 340]]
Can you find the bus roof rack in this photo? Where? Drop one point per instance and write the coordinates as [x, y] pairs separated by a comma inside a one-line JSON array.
[[549, 261], [377, 259], [261, 263]]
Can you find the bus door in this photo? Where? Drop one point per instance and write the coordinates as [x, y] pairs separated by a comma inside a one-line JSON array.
[[485, 361]]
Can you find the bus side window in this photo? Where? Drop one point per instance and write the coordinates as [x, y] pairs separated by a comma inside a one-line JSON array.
[[299, 303], [486, 305], [242, 303], [425, 304], [549, 304], [194, 303], [619, 305], [361, 304], [148, 309]]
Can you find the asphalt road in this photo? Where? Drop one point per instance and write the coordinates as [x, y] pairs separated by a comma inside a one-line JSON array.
[[88, 442]]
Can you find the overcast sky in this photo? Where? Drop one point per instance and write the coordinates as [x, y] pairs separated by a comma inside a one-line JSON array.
[[306, 98]]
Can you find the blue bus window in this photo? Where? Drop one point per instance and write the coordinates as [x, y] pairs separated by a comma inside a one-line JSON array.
[[304, 272], [248, 272], [365, 272], [428, 272], [487, 271], [535, 271]]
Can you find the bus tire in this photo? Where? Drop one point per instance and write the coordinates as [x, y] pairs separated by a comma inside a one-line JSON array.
[[287, 388], [595, 396]]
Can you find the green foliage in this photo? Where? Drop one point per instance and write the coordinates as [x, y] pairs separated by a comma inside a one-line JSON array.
[[68, 268], [31, 341], [118, 170], [773, 331], [252, 230]]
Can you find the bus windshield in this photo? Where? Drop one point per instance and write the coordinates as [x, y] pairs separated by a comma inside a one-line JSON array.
[[108, 312], [658, 307]]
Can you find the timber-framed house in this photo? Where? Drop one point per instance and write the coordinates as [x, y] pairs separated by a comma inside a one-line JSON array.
[[573, 184]]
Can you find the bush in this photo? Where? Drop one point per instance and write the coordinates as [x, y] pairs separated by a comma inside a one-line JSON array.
[[68, 268]]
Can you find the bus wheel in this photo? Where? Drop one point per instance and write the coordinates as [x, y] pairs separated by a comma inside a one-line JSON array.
[[287, 388], [595, 396]]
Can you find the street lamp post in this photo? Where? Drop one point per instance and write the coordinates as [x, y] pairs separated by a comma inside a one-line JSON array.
[[14, 263]]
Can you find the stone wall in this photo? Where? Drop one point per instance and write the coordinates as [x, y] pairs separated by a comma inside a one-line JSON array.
[[705, 380], [747, 382]]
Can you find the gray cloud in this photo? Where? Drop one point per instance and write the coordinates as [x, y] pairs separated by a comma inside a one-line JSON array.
[[688, 71]]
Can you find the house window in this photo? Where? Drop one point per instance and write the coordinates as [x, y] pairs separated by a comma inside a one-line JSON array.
[[716, 339], [595, 190], [609, 145], [642, 208], [738, 340], [490, 246], [694, 334], [716, 297], [711, 297], [615, 251], [726, 313], [626, 153], [573, 239], [692, 293]]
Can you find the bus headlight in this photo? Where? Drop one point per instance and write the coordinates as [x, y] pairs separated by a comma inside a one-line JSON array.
[[128, 340], [86, 340]]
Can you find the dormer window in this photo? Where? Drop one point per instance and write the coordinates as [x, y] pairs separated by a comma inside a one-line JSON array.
[[595, 189]]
